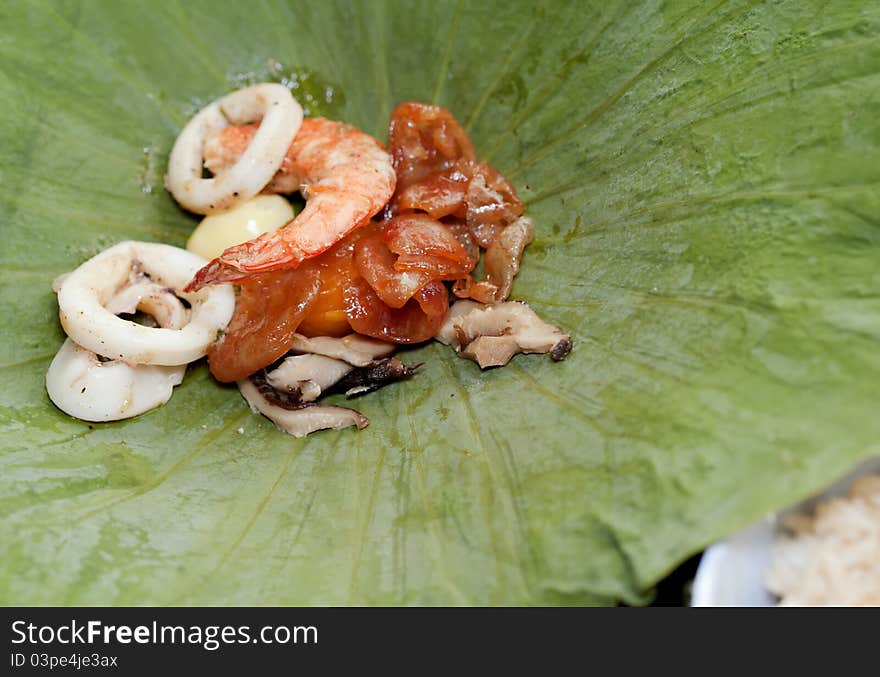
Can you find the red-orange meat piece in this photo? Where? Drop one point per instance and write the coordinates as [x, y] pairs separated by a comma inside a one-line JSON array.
[[425, 244], [425, 140], [441, 194], [438, 173], [385, 280], [376, 264], [268, 312], [418, 320], [326, 316]]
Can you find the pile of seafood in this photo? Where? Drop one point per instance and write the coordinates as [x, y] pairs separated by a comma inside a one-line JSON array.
[[289, 306]]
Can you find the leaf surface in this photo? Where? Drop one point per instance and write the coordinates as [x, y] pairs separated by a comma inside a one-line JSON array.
[[705, 179]]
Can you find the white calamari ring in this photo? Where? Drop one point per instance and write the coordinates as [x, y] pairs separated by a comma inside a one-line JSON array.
[[84, 386], [81, 385], [84, 295], [281, 118], [153, 299]]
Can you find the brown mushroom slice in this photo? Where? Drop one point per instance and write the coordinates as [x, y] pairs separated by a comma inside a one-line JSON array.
[[357, 350], [504, 255], [299, 419], [491, 351], [501, 263], [308, 374], [491, 335], [447, 334], [361, 380]]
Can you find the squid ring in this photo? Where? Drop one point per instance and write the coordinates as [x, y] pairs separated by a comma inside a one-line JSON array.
[[81, 385], [84, 386], [281, 118], [85, 294]]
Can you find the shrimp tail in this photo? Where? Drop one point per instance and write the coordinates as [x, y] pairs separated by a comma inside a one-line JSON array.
[[216, 272]]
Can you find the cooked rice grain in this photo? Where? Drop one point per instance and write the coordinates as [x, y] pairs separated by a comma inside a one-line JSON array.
[[832, 557]]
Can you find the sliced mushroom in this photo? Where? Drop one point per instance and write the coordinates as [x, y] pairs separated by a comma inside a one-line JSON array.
[[356, 349], [296, 417], [372, 377], [58, 281], [448, 334], [307, 374], [287, 394], [491, 335], [504, 254], [501, 264]]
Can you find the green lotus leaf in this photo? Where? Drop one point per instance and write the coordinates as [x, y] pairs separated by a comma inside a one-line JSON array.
[[705, 179]]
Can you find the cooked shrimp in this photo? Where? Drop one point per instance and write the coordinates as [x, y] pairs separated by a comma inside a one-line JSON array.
[[345, 175], [257, 162]]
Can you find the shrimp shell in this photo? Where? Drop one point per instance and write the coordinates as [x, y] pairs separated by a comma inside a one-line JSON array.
[[281, 119]]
